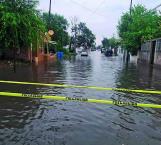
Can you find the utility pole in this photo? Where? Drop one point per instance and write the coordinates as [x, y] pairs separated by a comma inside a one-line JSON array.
[[131, 6], [14, 43], [49, 23], [128, 55], [49, 15]]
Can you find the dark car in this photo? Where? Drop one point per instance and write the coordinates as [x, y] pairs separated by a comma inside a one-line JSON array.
[[109, 52]]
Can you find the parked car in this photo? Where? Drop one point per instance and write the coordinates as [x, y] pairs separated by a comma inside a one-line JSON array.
[[109, 52], [84, 53]]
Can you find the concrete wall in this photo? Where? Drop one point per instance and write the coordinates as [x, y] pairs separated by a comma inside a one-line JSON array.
[[20, 54], [157, 57], [145, 52], [23, 54]]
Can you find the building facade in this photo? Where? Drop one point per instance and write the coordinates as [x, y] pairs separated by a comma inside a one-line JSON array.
[[150, 52]]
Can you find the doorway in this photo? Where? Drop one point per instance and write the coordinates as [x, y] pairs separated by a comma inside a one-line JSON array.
[[152, 52]]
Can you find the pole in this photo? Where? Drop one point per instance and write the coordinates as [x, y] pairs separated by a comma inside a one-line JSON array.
[[130, 7], [49, 15], [128, 55], [31, 53], [75, 38], [14, 46]]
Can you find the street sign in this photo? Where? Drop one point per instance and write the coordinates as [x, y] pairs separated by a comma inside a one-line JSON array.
[[51, 32]]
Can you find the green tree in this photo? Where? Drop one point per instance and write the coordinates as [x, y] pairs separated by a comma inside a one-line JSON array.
[[105, 43], [59, 25], [74, 32], [85, 38], [141, 25], [20, 25], [114, 43], [111, 42]]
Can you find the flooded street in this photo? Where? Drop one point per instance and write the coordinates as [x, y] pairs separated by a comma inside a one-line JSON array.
[[25, 121]]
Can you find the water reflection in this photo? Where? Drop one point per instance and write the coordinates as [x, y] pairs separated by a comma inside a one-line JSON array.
[[35, 121], [17, 113]]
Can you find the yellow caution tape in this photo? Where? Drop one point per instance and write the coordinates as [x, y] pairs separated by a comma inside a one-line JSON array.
[[61, 98], [85, 87]]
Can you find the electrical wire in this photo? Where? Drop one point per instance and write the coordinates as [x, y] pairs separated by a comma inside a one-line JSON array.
[[157, 7], [88, 9], [98, 7]]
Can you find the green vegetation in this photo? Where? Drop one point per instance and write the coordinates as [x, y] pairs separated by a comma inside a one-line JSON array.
[[105, 43], [85, 37], [141, 25], [23, 27], [20, 25], [59, 25], [112, 43], [82, 36]]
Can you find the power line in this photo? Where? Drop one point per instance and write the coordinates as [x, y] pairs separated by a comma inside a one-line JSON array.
[[86, 8], [131, 2], [49, 14], [98, 7], [73, 1], [157, 7]]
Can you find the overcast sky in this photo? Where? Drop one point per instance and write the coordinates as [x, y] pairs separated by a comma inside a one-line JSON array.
[[101, 16]]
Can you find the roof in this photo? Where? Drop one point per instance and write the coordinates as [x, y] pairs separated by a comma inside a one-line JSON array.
[[153, 39]]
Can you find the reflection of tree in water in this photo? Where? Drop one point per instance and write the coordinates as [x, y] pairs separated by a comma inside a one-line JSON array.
[[134, 77], [18, 115], [77, 72], [156, 80], [17, 112], [55, 71], [139, 77], [81, 68], [49, 72], [58, 71]]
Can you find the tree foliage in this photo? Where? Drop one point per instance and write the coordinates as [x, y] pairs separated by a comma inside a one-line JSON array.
[[59, 25], [20, 24], [105, 43], [110, 43], [84, 36], [141, 25], [114, 43]]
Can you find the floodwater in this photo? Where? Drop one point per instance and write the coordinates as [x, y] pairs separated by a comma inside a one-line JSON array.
[[25, 121]]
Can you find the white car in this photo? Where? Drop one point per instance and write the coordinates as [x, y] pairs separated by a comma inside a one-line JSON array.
[[84, 53]]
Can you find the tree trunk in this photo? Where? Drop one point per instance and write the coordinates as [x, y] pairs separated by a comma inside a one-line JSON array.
[[127, 57], [14, 59], [70, 44]]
